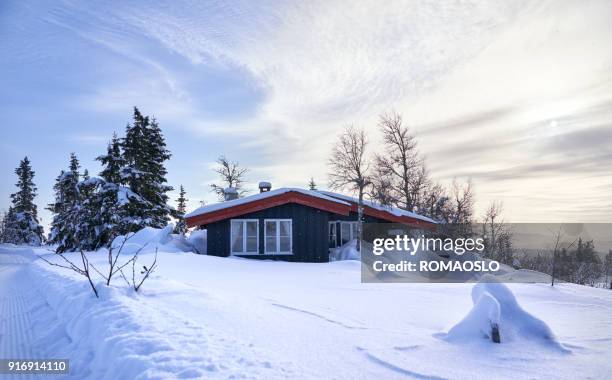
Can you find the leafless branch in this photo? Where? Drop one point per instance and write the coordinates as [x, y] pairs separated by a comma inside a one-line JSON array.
[[71, 266], [231, 174]]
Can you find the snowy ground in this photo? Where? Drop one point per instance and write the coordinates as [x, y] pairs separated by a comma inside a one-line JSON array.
[[207, 317]]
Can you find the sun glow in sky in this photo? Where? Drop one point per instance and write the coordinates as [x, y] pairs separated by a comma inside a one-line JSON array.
[[515, 95]]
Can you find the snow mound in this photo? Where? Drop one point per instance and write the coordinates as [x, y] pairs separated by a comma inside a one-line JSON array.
[[149, 238], [496, 306], [197, 240], [346, 252]]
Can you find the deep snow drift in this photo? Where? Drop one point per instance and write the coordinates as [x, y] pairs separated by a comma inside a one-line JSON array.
[[207, 317], [496, 312]]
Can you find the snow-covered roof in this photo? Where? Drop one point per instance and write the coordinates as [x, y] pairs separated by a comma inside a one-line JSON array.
[[251, 198], [374, 205]]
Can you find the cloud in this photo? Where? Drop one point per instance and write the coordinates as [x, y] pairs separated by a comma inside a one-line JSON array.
[[513, 94]]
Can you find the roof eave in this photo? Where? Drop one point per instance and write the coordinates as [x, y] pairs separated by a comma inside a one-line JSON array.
[[262, 204]]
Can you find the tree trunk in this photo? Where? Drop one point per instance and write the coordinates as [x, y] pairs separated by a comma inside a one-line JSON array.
[[552, 280], [360, 220]]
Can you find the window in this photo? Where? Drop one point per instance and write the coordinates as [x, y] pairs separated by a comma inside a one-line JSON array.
[[348, 232], [278, 237], [245, 236], [333, 242]]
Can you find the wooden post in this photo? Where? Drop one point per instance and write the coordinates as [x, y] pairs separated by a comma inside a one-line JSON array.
[[495, 337]]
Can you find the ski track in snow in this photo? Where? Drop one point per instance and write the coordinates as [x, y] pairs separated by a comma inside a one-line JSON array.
[[30, 329], [392, 367], [18, 304], [313, 314]]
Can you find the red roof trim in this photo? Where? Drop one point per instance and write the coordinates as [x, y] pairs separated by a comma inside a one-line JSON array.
[[381, 214], [306, 200], [262, 204]]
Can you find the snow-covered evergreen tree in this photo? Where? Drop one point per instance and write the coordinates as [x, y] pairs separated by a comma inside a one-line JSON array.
[[181, 209], [2, 224], [104, 213], [22, 221], [144, 153], [112, 161], [6, 220], [67, 199]]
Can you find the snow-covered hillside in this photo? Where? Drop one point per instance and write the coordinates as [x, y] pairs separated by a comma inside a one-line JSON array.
[[208, 317]]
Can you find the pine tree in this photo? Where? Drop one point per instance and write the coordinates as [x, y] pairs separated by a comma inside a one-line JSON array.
[[144, 153], [181, 209], [74, 165], [22, 219], [67, 200], [3, 224], [311, 184], [8, 234], [113, 161]]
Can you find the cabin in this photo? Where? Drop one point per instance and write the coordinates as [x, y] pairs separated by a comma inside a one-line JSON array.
[[290, 224]]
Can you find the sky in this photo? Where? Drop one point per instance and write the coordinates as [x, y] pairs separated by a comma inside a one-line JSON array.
[[516, 95]]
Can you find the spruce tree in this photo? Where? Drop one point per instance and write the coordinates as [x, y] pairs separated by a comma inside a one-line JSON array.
[[22, 221], [112, 162], [7, 226], [181, 209], [144, 154], [67, 201], [311, 184]]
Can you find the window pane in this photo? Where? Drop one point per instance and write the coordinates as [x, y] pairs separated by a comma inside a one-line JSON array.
[[271, 244], [251, 229], [332, 235], [285, 228], [270, 228], [237, 243], [251, 244], [345, 230], [285, 244]]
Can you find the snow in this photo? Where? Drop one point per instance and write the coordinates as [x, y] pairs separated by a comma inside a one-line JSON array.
[[197, 240], [256, 197], [393, 210], [496, 305], [202, 316], [230, 190], [148, 239], [346, 252]]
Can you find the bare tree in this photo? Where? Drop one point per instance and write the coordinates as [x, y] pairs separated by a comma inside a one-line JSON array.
[[496, 234], [607, 268], [114, 266], [350, 169], [463, 201], [558, 237], [145, 272], [491, 226], [434, 203], [84, 271], [381, 190], [231, 174], [401, 162]]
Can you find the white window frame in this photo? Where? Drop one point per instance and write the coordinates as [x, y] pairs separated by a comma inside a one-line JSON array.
[[352, 231], [244, 236], [290, 252], [335, 225]]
